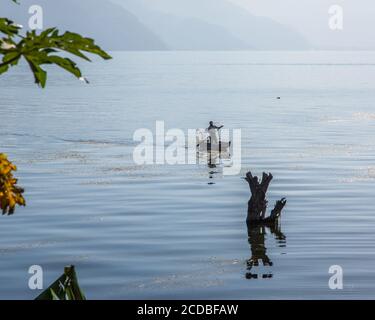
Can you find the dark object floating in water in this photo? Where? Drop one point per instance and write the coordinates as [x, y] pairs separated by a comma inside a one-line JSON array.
[[278, 98], [257, 204], [208, 146], [66, 287], [206, 143]]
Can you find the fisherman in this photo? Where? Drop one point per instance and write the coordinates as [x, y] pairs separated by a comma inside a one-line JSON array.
[[213, 133]]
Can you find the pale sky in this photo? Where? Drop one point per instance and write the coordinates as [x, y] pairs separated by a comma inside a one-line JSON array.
[[310, 17]]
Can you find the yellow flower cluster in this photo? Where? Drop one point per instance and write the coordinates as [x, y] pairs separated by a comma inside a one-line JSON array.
[[10, 193]]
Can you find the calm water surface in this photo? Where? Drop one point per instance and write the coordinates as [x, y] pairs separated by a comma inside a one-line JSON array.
[[178, 231]]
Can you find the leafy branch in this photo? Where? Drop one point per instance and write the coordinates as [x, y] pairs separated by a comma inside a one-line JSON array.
[[44, 49], [10, 193], [66, 287], [38, 50]]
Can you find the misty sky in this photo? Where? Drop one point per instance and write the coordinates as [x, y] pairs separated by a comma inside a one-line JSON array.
[[310, 18], [225, 24]]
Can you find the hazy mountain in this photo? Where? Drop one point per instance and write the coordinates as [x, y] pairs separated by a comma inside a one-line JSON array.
[[176, 21], [111, 25], [162, 24], [185, 33]]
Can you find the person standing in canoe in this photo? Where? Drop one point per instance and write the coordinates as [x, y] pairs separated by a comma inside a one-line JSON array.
[[213, 133]]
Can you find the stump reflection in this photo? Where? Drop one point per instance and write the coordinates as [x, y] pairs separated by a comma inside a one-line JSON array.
[[256, 238]]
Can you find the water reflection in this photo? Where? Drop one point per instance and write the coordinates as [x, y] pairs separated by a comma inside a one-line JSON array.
[[256, 236], [215, 160]]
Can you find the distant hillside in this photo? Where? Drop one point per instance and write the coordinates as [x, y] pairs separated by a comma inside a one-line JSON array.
[[217, 24], [196, 34], [184, 32], [111, 25]]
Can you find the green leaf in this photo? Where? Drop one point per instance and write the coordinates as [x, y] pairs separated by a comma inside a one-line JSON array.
[[4, 68], [76, 41], [40, 76], [11, 58], [66, 64], [54, 296], [66, 287], [8, 27]]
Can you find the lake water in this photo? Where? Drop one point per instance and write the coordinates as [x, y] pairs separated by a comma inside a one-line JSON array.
[[164, 231]]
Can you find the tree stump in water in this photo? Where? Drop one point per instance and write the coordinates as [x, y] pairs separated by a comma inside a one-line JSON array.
[[257, 205]]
